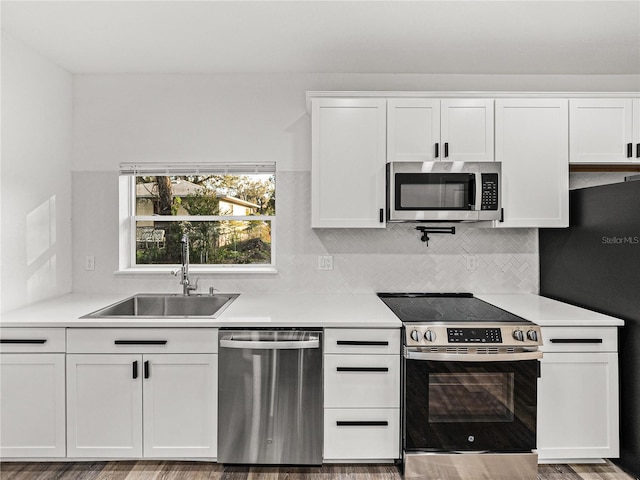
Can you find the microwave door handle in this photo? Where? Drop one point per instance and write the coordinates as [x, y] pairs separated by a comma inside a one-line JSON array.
[[473, 188]]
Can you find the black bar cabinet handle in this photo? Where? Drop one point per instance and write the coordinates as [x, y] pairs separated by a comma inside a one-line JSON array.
[[364, 423], [146, 369], [576, 340], [437, 149], [362, 369], [446, 149], [381, 215], [135, 369], [24, 341], [140, 342], [363, 342], [629, 150], [637, 150]]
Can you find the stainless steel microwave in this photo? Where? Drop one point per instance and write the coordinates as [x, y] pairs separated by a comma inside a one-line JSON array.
[[443, 191]]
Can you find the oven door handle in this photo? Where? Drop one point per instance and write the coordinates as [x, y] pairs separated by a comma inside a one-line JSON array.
[[472, 357]]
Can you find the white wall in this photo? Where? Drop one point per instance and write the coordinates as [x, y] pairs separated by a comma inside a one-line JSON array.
[[36, 176], [263, 117]]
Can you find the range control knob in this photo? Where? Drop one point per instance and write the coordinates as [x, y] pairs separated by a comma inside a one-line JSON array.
[[532, 335], [518, 335], [415, 335], [429, 336]]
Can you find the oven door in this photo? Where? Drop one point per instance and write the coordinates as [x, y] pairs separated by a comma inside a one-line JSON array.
[[457, 405]]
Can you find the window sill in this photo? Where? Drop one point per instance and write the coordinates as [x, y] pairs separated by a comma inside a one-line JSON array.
[[196, 270]]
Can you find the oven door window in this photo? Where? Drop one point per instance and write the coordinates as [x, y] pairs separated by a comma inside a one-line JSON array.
[[471, 397], [470, 406], [435, 191]]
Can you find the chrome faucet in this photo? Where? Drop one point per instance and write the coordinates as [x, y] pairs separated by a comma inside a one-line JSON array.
[[187, 288]]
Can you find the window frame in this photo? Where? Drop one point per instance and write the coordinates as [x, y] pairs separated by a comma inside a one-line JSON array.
[[128, 218]]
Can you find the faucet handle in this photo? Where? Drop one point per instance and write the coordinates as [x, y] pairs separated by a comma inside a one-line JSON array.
[[212, 290], [194, 287], [174, 272]]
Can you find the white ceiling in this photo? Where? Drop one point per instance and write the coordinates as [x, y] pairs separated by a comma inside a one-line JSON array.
[[447, 37]]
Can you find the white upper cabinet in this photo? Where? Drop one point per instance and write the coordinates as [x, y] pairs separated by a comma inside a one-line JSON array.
[[426, 130], [467, 130], [532, 144], [348, 163], [602, 130], [413, 130]]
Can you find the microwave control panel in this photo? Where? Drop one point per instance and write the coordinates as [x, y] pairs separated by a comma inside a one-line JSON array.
[[489, 191]]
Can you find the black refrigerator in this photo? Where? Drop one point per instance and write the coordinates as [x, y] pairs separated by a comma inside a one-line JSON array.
[[595, 264]]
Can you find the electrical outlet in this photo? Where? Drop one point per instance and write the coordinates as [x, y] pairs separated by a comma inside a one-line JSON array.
[[89, 263], [325, 262], [472, 262]]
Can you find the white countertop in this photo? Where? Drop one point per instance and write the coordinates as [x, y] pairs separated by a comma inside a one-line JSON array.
[[248, 310], [549, 313], [364, 310]]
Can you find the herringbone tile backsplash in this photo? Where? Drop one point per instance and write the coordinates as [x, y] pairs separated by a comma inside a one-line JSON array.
[[365, 260], [391, 259]]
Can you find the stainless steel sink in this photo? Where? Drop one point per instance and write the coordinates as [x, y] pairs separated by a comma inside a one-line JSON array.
[[151, 305]]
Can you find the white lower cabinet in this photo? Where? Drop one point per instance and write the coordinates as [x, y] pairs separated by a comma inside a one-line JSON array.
[[134, 405], [104, 406], [578, 394], [180, 406], [32, 393], [361, 434], [361, 395], [32, 422]]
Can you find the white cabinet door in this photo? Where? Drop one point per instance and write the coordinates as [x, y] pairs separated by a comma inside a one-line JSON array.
[[467, 130], [578, 406], [413, 130], [601, 130], [180, 405], [348, 163], [32, 417], [104, 405], [532, 144]]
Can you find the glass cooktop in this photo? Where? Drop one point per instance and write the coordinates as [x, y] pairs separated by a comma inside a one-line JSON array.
[[445, 307]]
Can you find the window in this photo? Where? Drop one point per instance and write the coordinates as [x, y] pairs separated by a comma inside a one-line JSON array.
[[228, 212]]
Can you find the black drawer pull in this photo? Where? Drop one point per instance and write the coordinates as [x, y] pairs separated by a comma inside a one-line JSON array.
[[437, 152], [629, 150], [135, 369], [446, 149], [576, 340], [140, 342], [362, 369], [375, 343], [364, 423], [24, 341], [146, 369]]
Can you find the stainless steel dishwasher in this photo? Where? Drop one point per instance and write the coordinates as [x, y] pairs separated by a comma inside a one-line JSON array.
[[270, 397]]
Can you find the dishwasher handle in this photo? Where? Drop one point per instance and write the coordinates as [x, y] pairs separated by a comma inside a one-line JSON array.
[[230, 342]]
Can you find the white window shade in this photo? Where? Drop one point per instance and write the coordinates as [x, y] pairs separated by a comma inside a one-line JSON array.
[[159, 169]]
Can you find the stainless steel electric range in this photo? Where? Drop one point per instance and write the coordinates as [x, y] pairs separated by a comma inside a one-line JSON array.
[[470, 375]]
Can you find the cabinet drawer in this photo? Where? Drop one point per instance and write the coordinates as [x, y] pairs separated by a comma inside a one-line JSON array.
[[361, 434], [579, 339], [362, 381], [142, 340], [354, 340], [32, 340]]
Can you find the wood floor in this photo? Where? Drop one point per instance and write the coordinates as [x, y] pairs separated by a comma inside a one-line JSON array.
[[149, 470]]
